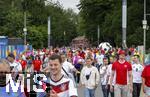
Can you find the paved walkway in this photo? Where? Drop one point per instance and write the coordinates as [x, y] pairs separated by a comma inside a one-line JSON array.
[[98, 92]]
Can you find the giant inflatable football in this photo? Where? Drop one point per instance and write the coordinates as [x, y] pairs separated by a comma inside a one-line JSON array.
[[105, 46]]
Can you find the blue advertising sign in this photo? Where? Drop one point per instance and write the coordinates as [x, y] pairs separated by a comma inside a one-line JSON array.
[[3, 51], [3, 40], [16, 50]]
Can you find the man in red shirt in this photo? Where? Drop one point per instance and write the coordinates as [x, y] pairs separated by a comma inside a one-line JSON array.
[[37, 63], [23, 64], [146, 80], [122, 70]]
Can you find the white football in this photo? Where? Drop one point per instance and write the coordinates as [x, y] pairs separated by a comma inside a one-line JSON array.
[[105, 46]]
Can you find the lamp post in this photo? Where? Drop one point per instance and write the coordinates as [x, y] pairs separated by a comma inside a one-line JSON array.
[[64, 38], [144, 29], [25, 35], [124, 23], [25, 21], [98, 35], [25, 29], [49, 31]]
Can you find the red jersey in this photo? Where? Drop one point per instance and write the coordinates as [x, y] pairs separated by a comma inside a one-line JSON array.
[[37, 65], [23, 63], [146, 75], [82, 54], [121, 72]]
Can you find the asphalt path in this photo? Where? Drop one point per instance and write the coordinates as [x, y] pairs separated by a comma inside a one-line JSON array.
[[98, 92]]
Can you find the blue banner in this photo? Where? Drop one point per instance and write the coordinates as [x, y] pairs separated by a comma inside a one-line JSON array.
[[3, 40], [3, 51], [16, 50]]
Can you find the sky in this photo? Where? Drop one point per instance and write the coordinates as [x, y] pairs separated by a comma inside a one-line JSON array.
[[69, 4]]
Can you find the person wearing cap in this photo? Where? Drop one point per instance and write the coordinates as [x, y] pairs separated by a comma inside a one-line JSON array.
[[123, 72]]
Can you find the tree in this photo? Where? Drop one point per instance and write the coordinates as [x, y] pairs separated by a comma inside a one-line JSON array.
[[12, 18], [108, 14]]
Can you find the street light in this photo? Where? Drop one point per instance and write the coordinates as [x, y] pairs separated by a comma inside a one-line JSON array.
[[144, 28], [25, 35], [24, 3], [49, 31], [98, 35], [124, 23]]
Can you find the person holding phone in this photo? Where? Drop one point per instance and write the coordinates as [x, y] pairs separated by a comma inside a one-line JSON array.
[[57, 85]]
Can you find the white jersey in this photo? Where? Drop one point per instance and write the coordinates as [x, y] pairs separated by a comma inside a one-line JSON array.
[[109, 72], [99, 59], [137, 72], [45, 63], [103, 74], [68, 67], [16, 66], [64, 87]]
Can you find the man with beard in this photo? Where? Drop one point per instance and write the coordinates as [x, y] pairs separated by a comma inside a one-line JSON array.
[[5, 69]]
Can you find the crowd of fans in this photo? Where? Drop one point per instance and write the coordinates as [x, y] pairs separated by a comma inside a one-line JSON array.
[[118, 72]]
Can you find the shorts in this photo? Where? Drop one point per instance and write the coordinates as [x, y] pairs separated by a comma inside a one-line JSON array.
[[147, 90]]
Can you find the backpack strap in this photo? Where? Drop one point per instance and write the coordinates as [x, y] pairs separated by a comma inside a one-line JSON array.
[[65, 72]]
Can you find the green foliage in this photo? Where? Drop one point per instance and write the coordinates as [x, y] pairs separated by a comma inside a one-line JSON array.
[[37, 36], [108, 14], [65, 24], [12, 21]]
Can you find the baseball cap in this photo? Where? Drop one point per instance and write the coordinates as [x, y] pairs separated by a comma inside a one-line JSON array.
[[122, 52]]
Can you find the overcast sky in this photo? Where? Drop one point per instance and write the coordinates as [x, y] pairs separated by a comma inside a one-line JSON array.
[[69, 4]]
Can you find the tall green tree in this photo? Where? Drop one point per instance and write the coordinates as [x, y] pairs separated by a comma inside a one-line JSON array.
[[108, 14], [63, 22]]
